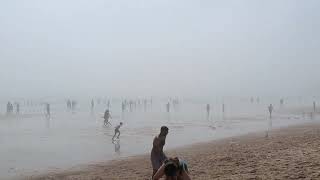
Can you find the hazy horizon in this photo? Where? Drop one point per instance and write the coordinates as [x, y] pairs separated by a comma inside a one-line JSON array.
[[159, 48]]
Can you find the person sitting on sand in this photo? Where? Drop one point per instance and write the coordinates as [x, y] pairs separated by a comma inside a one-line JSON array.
[[117, 131], [173, 169], [157, 154]]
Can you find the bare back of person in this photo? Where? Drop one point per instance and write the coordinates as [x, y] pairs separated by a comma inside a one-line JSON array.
[[157, 154]]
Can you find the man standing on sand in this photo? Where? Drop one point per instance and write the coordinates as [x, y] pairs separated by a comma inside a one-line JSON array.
[[157, 154]]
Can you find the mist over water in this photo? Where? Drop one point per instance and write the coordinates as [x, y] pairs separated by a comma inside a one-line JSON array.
[[237, 56]]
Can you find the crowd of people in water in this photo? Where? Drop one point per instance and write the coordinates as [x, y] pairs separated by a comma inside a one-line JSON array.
[[170, 167], [10, 108], [131, 105]]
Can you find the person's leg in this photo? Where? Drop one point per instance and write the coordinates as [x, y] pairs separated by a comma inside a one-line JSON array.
[[154, 172], [155, 162], [118, 134], [115, 133]]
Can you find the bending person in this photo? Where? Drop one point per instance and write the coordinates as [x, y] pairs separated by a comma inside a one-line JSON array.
[[173, 169]]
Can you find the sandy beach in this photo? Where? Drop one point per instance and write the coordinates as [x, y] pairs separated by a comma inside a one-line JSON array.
[[287, 153]]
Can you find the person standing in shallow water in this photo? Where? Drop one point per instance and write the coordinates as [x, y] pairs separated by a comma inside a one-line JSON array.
[[270, 108], [208, 110], [106, 117], [48, 114], [92, 105], [117, 131], [8, 108], [157, 154], [17, 108], [168, 107]]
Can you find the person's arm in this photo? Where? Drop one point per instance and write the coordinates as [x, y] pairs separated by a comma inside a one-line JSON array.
[[159, 173], [185, 175], [155, 142]]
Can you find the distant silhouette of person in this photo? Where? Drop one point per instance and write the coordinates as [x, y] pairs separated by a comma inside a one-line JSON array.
[[69, 104], [145, 102], [11, 108], [168, 107], [73, 105], [251, 100], [117, 131], [270, 108], [17, 108], [106, 117], [48, 113], [314, 106], [92, 105], [130, 105], [157, 154], [281, 102], [123, 106], [208, 110], [8, 108]]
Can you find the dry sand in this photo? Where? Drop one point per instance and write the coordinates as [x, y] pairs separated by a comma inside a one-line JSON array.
[[288, 153]]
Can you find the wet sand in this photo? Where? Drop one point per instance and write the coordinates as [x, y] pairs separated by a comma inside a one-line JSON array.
[[287, 153]]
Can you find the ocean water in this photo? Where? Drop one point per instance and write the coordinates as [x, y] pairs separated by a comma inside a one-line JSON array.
[[33, 144]]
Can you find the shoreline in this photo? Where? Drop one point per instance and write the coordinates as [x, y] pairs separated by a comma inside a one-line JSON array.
[[243, 157]]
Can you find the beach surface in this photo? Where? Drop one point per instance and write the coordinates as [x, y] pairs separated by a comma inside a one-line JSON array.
[[286, 153], [32, 144]]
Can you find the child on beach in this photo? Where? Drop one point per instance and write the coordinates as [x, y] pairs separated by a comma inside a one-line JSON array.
[[117, 131], [173, 169]]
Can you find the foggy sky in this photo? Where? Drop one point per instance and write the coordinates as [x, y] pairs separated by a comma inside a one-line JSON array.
[[159, 47]]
